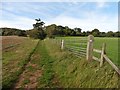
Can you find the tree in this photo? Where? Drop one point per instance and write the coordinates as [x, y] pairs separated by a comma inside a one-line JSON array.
[[88, 33], [13, 31], [67, 31], [102, 34], [38, 32], [110, 34], [95, 32], [51, 31], [78, 31], [60, 30], [83, 34], [39, 23], [117, 34]]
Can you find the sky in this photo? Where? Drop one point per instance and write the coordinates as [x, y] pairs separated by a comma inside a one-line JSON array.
[[85, 15]]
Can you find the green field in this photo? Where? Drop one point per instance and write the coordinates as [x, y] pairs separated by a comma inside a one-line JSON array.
[[111, 46], [42, 64]]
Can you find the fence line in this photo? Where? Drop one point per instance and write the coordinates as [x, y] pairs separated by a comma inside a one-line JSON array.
[[87, 52], [103, 57]]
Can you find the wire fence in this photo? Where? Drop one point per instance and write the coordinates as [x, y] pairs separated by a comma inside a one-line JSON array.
[[77, 47], [84, 48]]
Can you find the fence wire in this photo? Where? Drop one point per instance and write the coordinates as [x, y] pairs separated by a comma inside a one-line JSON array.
[[77, 47]]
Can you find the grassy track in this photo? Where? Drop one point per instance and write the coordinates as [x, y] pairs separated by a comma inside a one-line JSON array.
[[46, 62], [38, 72]]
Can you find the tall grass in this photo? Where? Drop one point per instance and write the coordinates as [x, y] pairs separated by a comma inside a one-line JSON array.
[[74, 72]]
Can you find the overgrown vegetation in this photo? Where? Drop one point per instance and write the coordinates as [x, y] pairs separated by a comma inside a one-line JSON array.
[[75, 72]]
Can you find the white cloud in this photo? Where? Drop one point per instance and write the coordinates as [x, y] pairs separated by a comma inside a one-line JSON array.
[[92, 19], [102, 23], [20, 23]]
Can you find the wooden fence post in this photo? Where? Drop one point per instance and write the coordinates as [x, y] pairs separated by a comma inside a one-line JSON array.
[[102, 54], [62, 44], [89, 54]]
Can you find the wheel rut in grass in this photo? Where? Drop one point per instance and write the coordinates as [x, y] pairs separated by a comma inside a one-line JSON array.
[[38, 72], [31, 71]]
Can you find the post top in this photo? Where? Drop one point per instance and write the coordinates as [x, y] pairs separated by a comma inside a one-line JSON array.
[[91, 38]]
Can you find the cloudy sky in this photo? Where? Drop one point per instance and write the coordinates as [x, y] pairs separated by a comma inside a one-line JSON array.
[[86, 15]]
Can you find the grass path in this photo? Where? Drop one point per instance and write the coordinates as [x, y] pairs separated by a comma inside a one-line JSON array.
[[38, 72], [28, 79]]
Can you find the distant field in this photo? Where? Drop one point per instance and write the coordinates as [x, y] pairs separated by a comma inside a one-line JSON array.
[[111, 48], [11, 41], [111, 45]]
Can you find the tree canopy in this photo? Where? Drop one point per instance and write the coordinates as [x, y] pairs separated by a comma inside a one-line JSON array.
[[37, 32]]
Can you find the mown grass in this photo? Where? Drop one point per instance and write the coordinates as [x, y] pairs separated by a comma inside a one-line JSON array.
[[73, 72], [14, 61]]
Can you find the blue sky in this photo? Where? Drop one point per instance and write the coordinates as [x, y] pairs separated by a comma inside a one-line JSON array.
[[86, 15]]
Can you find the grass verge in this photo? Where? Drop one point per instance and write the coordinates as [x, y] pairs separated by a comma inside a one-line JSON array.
[[74, 72]]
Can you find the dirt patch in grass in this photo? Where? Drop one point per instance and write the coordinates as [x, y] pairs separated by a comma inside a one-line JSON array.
[[28, 79]]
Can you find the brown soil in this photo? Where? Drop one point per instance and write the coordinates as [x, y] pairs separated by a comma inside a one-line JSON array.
[[31, 76], [10, 41]]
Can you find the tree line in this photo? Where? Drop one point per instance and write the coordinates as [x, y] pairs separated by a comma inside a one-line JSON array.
[[54, 30], [12, 31], [40, 31]]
